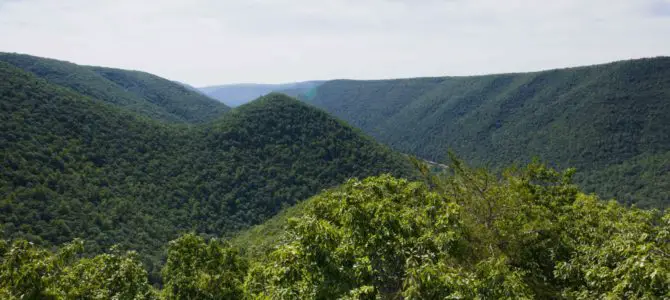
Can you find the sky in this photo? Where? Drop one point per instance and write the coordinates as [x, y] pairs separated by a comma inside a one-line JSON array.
[[209, 42]]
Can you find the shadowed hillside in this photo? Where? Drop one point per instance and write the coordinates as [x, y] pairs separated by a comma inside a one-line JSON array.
[[140, 92], [609, 121], [74, 167]]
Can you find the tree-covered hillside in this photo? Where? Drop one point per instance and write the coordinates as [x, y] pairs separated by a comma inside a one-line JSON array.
[[238, 94], [609, 121], [140, 92], [72, 166], [527, 233]]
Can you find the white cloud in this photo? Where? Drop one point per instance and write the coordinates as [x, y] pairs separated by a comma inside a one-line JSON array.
[[210, 42]]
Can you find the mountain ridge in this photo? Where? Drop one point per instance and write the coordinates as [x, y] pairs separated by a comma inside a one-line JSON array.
[[75, 166], [591, 117], [238, 94], [138, 91]]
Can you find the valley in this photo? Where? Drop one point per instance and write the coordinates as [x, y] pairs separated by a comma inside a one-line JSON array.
[[609, 121], [122, 184], [77, 167], [237, 94]]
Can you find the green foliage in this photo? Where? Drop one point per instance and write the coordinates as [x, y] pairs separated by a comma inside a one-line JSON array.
[[140, 92], [72, 167], [360, 236], [188, 105], [30, 272], [624, 254], [199, 270], [260, 239], [113, 275], [527, 233], [77, 161], [608, 121]]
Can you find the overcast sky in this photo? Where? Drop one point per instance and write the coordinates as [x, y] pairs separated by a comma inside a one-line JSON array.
[[205, 42]]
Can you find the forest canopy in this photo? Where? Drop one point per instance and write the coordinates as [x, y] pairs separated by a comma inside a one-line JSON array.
[[119, 184], [528, 233], [139, 92], [74, 167], [608, 121]]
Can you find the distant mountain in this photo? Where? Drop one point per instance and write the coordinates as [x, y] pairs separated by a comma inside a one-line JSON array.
[[140, 92], [238, 94], [92, 157], [190, 87], [609, 121], [74, 166]]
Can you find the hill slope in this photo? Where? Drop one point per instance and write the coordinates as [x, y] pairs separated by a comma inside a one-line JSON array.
[[468, 234], [532, 216], [238, 94], [607, 120], [140, 92], [76, 167]]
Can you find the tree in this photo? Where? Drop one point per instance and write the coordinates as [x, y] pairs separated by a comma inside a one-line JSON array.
[[31, 272], [199, 270]]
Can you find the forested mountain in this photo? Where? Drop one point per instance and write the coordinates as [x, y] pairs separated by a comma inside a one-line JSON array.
[[609, 121], [140, 92], [73, 166], [238, 94], [526, 233], [98, 163]]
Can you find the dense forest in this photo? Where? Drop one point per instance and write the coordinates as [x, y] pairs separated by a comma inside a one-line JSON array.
[[609, 121], [140, 92], [75, 167], [119, 184], [238, 94], [526, 233]]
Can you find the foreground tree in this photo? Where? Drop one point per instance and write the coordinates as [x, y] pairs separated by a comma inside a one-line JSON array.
[[528, 233], [199, 270], [468, 233], [31, 272], [381, 237]]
